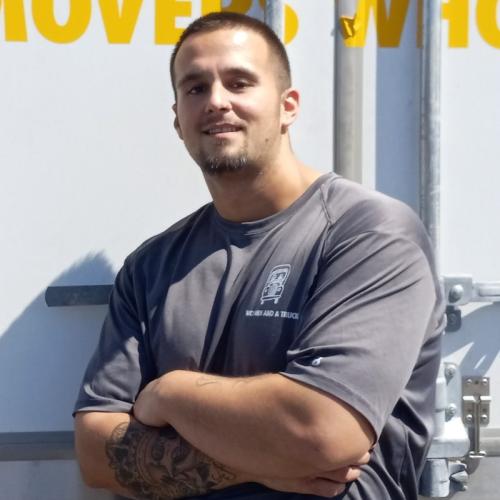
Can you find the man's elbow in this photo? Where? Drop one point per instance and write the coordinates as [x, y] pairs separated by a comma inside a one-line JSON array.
[[89, 476], [89, 471], [91, 433], [329, 452], [343, 439], [88, 460]]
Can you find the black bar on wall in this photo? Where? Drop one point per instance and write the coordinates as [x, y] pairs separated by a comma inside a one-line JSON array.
[[29, 446], [80, 295]]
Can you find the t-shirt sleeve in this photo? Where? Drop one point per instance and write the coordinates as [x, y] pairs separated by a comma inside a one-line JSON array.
[[365, 321], [115, 373]]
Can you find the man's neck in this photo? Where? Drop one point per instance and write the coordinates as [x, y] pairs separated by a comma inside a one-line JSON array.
[[248, 196]]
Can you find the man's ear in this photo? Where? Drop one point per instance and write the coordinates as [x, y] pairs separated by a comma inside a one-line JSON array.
[[290, 104], [176, 122]]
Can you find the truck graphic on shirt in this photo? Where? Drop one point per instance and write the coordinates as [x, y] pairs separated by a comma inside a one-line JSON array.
[[275, 284]]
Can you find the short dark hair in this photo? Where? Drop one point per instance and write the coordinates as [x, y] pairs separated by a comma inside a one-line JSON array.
[[228, 20]]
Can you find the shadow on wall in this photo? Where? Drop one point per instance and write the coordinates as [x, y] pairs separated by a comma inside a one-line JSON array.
[[481, 331], [43, 354]]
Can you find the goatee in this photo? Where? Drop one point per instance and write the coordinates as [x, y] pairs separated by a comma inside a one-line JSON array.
[[216, 165]]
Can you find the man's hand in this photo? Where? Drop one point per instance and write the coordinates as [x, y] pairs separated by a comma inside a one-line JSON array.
[[327, 485]]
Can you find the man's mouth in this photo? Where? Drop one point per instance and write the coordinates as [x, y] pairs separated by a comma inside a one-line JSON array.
[[221, 129]]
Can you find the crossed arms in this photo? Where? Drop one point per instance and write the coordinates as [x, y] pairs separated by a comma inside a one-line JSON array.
[[192, 433]]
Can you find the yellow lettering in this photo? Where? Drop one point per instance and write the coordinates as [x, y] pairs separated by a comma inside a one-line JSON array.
[[208, 6], [457, 14], [15, 20], [389, 26], [240, 6], [75, 27], [291, 22], [120, 26], [167, 11], [487, 22]]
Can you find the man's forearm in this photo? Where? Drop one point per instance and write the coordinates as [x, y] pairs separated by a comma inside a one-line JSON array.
[[137, 461], [264, 425], [161, 464]]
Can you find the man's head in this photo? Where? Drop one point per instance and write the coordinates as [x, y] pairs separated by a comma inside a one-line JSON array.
[[233, 98]]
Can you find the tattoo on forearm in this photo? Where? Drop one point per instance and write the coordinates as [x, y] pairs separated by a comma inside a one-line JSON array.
[[159, 464]]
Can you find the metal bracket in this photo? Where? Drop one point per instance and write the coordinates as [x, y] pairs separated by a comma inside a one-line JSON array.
[[460, 290], [450, 439], [442, 477], [476, 402], [442, 474], [458, 476]]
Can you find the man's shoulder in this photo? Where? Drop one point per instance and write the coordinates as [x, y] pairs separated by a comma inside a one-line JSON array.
[[158, 245], [354, 209]]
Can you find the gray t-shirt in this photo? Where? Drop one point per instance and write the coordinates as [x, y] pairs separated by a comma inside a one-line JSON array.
[[337, 291]]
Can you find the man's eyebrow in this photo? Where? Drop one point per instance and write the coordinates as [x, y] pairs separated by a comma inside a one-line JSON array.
[[232, 71], [191, 76], [242, 71]]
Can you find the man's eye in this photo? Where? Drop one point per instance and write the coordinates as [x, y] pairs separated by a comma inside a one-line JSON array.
[[196, 89], [240, 84]]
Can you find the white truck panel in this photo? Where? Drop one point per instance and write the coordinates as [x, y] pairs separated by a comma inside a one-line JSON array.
[[91, 166]]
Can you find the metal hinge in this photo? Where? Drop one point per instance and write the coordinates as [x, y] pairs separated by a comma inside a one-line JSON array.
[[476, 410]]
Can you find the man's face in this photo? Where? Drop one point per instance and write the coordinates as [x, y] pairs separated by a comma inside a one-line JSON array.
[[228, 109]]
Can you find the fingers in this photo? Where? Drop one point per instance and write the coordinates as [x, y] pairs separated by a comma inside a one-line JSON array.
[[344, 475], [328, 484], [349, 473], [364, 459]]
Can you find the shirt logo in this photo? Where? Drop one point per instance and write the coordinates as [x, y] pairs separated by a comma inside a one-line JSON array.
[[275, 284]]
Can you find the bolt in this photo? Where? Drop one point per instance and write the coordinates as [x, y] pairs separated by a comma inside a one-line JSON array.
[[451, 411], [484, 418], [469, 381], [469, 418], [456, 293], [450, 371], [484, 381]]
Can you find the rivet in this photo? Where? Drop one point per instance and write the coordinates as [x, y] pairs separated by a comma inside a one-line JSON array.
[[451, 411], [456, 293], [450, 371]]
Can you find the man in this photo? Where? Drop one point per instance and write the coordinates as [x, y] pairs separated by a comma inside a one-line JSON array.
[[282, 341]]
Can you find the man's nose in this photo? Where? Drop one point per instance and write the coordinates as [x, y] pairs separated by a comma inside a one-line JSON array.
[[218, 98]]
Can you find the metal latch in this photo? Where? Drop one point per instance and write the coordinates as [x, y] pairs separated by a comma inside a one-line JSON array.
[[461, 290], [442, 475], [476, 410]]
